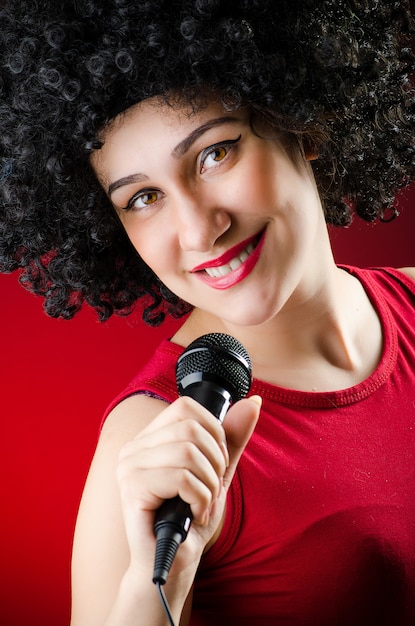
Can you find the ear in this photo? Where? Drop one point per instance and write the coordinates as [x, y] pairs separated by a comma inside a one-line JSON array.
[[310, 150], [311, 155]]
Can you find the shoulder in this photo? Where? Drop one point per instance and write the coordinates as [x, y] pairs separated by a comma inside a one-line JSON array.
[[129, 417], [100, 531], [125, 422], [409, 271]]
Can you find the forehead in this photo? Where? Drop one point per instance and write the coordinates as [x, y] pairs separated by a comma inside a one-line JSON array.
[[155, 114], [155, 124]]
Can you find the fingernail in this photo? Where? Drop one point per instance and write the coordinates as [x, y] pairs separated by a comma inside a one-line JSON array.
[[256, 399]]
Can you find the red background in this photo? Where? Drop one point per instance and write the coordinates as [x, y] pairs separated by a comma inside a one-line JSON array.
[[57, 378]]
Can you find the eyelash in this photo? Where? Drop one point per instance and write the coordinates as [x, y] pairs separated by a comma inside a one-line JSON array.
[[138, 196], [227, 145]]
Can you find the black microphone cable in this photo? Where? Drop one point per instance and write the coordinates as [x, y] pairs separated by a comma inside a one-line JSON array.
[[164, 603], [215, 370]]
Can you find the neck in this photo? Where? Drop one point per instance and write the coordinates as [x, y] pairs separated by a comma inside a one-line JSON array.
[[325, 338]]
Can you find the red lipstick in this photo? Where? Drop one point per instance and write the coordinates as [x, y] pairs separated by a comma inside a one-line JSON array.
[[232, 277], [228, 255]]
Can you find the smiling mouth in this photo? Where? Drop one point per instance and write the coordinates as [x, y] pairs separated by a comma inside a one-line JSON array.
[[223, 270]]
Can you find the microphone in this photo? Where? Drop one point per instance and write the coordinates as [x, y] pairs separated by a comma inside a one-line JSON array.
[[215, 370]]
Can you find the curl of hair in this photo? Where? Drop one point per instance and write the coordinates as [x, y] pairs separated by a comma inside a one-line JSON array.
[[336, 73]]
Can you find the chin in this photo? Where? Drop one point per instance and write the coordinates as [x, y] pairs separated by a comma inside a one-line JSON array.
[[249, 318]]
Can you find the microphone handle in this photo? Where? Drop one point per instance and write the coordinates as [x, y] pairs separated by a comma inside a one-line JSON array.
[[171, 526], [215, 398], [174, 516]]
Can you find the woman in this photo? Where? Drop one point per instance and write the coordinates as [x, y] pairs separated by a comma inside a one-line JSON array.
[[215, 140]]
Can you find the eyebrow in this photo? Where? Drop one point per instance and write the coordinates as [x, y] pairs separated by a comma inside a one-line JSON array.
[[177, 152], [126, 180], [187, 142]]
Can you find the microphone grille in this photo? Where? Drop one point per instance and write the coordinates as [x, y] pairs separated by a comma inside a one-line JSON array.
[[220, 356]]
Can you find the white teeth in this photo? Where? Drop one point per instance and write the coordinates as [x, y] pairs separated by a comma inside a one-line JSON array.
[[235, 263], [222, 271], [216, 272]]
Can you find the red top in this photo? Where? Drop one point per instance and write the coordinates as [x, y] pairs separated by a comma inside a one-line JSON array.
[[320, 522]]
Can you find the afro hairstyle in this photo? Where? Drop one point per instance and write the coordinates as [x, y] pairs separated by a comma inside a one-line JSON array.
[[337, 73]]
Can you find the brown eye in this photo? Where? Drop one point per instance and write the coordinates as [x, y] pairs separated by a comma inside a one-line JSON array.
[[218, 154], [143, 199], [149, 198], [213, 155]]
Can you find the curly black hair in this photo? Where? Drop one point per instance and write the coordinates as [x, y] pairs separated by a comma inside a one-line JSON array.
[[335, 72]]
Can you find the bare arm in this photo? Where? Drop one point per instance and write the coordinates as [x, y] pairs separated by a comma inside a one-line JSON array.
[[148, 452], [102, 574]]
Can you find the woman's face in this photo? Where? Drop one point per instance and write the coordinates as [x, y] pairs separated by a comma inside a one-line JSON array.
[[221, 214]]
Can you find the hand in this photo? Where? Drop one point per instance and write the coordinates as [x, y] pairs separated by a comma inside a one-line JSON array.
[[182, 452]]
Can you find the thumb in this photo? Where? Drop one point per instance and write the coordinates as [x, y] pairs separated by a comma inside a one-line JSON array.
[[239, 425]]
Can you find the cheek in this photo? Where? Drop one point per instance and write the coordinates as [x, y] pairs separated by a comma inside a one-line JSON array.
[[154, 244], [264, 180]]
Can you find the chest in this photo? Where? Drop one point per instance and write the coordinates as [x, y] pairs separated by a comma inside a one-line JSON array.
[[326, 503]]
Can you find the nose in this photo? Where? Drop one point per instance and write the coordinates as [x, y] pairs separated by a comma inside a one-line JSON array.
[[199, 223]]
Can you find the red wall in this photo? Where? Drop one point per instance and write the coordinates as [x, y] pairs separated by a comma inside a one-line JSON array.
[[56, 380]]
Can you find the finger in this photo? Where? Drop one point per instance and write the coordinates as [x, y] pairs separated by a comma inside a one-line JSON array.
[[165, 462], [185, 444], [184, 409], [185, 456], [193, 491], [194, 437], [149, 489], [239, 425]]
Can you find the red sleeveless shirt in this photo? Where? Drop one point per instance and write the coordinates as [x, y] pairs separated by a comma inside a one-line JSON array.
[[320, 522]]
